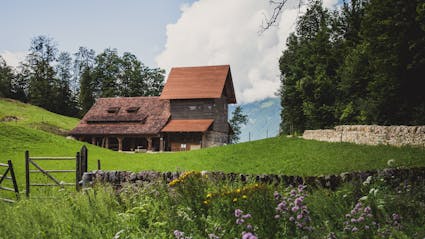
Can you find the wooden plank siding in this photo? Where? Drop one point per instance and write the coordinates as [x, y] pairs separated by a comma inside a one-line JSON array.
[[216, 109]]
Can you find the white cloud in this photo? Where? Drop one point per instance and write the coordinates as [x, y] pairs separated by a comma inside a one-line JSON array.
[[13, 58], [216, 32]]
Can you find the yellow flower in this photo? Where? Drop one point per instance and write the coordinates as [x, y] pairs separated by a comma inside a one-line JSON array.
[[209, 195], [206, 202], [244, 197], [235, 199], [238, 190]]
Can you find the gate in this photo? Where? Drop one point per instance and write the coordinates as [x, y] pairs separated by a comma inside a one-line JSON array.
[[80, 167], [9, 169]]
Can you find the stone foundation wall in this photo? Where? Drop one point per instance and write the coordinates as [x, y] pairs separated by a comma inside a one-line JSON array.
[[371, 134], [214, 138], [392, 176]]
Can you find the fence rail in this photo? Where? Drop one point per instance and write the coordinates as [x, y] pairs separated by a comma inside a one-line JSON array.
[[80, 167], [9, 169]]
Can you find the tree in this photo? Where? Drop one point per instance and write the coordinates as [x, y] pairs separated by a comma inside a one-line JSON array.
[[38, 71], [66, 100], [238, 119], [6, 79], [107, 72], [84, 75]]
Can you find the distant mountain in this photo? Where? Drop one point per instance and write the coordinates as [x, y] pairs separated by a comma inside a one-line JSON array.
[[264, 119]]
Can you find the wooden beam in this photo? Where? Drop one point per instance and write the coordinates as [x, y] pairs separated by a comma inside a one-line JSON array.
[[149, 138], [161, 144], [120, 139]]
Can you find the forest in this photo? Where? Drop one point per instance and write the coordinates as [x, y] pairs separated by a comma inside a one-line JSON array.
[[70, 84], [363, 63]]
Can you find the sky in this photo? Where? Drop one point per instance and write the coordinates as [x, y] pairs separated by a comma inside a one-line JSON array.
[[161, 33]]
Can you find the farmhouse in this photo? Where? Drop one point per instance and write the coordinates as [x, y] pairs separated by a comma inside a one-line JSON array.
[[191, 113]]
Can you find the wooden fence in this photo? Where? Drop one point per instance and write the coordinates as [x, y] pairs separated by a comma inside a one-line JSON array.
[[9, 169], [80, 167]]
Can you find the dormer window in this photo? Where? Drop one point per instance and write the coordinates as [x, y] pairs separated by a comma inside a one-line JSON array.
[[113, 109], [133, 109]]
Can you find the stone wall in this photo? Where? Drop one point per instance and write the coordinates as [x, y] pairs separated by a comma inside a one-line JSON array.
[[371, 134], [392, 176]]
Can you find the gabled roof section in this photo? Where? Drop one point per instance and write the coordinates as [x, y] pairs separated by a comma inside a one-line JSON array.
[[199, 82], [150, 117], [192, 125]]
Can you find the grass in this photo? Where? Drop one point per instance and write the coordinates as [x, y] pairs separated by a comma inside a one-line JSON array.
[[279, 155]]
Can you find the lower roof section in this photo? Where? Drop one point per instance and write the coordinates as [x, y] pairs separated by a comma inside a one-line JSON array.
[[188, 125]]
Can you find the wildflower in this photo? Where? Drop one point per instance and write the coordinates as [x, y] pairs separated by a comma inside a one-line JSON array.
[[238, 212], [209, 195], [294, 209], [249, 227], [277, 216], [248, 235], [299, 216], [213, 236], [239, 221], [244, 197], [235, 199], [355, 229], [238, 190], [206, 202], [246, 216]]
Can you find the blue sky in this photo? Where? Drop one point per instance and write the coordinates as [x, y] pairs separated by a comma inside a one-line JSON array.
[[161, 33], [128, 25]]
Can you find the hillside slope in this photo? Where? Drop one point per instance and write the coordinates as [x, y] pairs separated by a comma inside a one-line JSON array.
[[279, 155]]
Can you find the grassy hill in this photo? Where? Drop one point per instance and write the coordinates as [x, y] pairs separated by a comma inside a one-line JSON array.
[[37, 130]]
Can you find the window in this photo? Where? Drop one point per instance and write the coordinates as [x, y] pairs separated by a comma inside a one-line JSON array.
[[113, 109], [133, 109]]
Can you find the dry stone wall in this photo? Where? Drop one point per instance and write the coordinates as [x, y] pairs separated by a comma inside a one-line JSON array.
[[393, 176], [371, 134]]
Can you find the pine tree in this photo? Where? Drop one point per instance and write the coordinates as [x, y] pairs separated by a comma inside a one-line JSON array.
[[238, 119]]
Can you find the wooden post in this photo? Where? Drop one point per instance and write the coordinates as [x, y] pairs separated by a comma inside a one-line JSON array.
[[12, 175], [120, 139], [149, 143], [161, 144], [84, 156], [77, 171], [107, 142], [27, 173], [98, 164], [204, 140]]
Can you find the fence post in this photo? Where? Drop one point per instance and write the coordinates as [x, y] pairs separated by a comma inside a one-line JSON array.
[[77, 171], [98, 164], [27, 173], [83, 155], [12, 175]]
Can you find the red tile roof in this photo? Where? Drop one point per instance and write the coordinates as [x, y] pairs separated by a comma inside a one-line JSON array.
[[192, 125], [201, 82], [150, 118]]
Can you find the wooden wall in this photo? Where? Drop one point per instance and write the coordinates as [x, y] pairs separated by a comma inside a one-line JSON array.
[[216, 109]]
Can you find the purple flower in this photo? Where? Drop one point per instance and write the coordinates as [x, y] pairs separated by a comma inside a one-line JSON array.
[[246, 216], [353, 220], [249, 227], [300, 216], [291, 219], [366, 227], [281, 206], [355, 229], [277, 216], [276, 195], [239, 221], [178, 233], [299, 200], [360, 219], [396, 217], [367, 209], [293, 193], [238, 212], [248, 235], [296, 208]]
